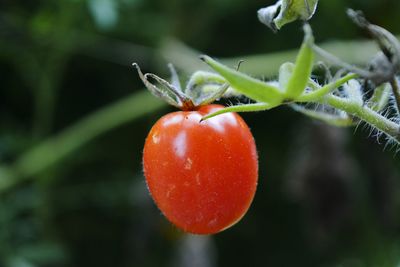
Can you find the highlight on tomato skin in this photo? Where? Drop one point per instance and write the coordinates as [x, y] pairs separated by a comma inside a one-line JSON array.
[[201, 175]]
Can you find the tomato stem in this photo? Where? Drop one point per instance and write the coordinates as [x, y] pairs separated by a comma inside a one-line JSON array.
[[188, 105]]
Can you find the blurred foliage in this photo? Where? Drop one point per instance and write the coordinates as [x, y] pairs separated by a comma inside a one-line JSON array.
[[69, 98]]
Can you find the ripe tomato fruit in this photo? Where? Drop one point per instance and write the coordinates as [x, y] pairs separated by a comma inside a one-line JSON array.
[[202, 175]]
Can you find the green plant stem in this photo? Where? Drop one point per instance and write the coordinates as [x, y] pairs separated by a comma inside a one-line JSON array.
[[53, 150], [321, 92], [366, 114], [186, 59]]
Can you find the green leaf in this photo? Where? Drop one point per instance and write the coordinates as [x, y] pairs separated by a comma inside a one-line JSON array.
[[267, 15], [174, 77], [321, 92], [248, 86], [289, 10], [285, 72], [206, 87], [201, 79], [159, 92], [241, 108], [214, 94], [303, 67]]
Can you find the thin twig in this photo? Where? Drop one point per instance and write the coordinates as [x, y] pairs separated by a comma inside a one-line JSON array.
[[396, 92]]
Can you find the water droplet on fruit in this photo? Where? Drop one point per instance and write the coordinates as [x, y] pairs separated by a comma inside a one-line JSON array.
[[188, 163], [198, 182], [212, 222], [171, 188], [156, 138]]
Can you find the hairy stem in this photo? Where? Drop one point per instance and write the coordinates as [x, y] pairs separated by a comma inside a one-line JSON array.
[[366, 114], [321, 92]]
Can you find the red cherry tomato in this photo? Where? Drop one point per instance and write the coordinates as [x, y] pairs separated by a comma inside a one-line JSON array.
[[202, 175]]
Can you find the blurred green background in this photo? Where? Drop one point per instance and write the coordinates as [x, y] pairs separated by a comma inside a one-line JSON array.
[[74, 116]]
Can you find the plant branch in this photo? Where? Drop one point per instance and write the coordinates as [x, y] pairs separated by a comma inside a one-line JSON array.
[[321, 92], [185, 58], [366, 114], [57, 148]]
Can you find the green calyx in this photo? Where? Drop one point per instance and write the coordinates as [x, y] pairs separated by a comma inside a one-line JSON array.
[[286, 11], [293, 85], [202, 88], [340, 101]]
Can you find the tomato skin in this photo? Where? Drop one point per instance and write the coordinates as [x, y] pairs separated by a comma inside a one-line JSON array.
[[201, 175]]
